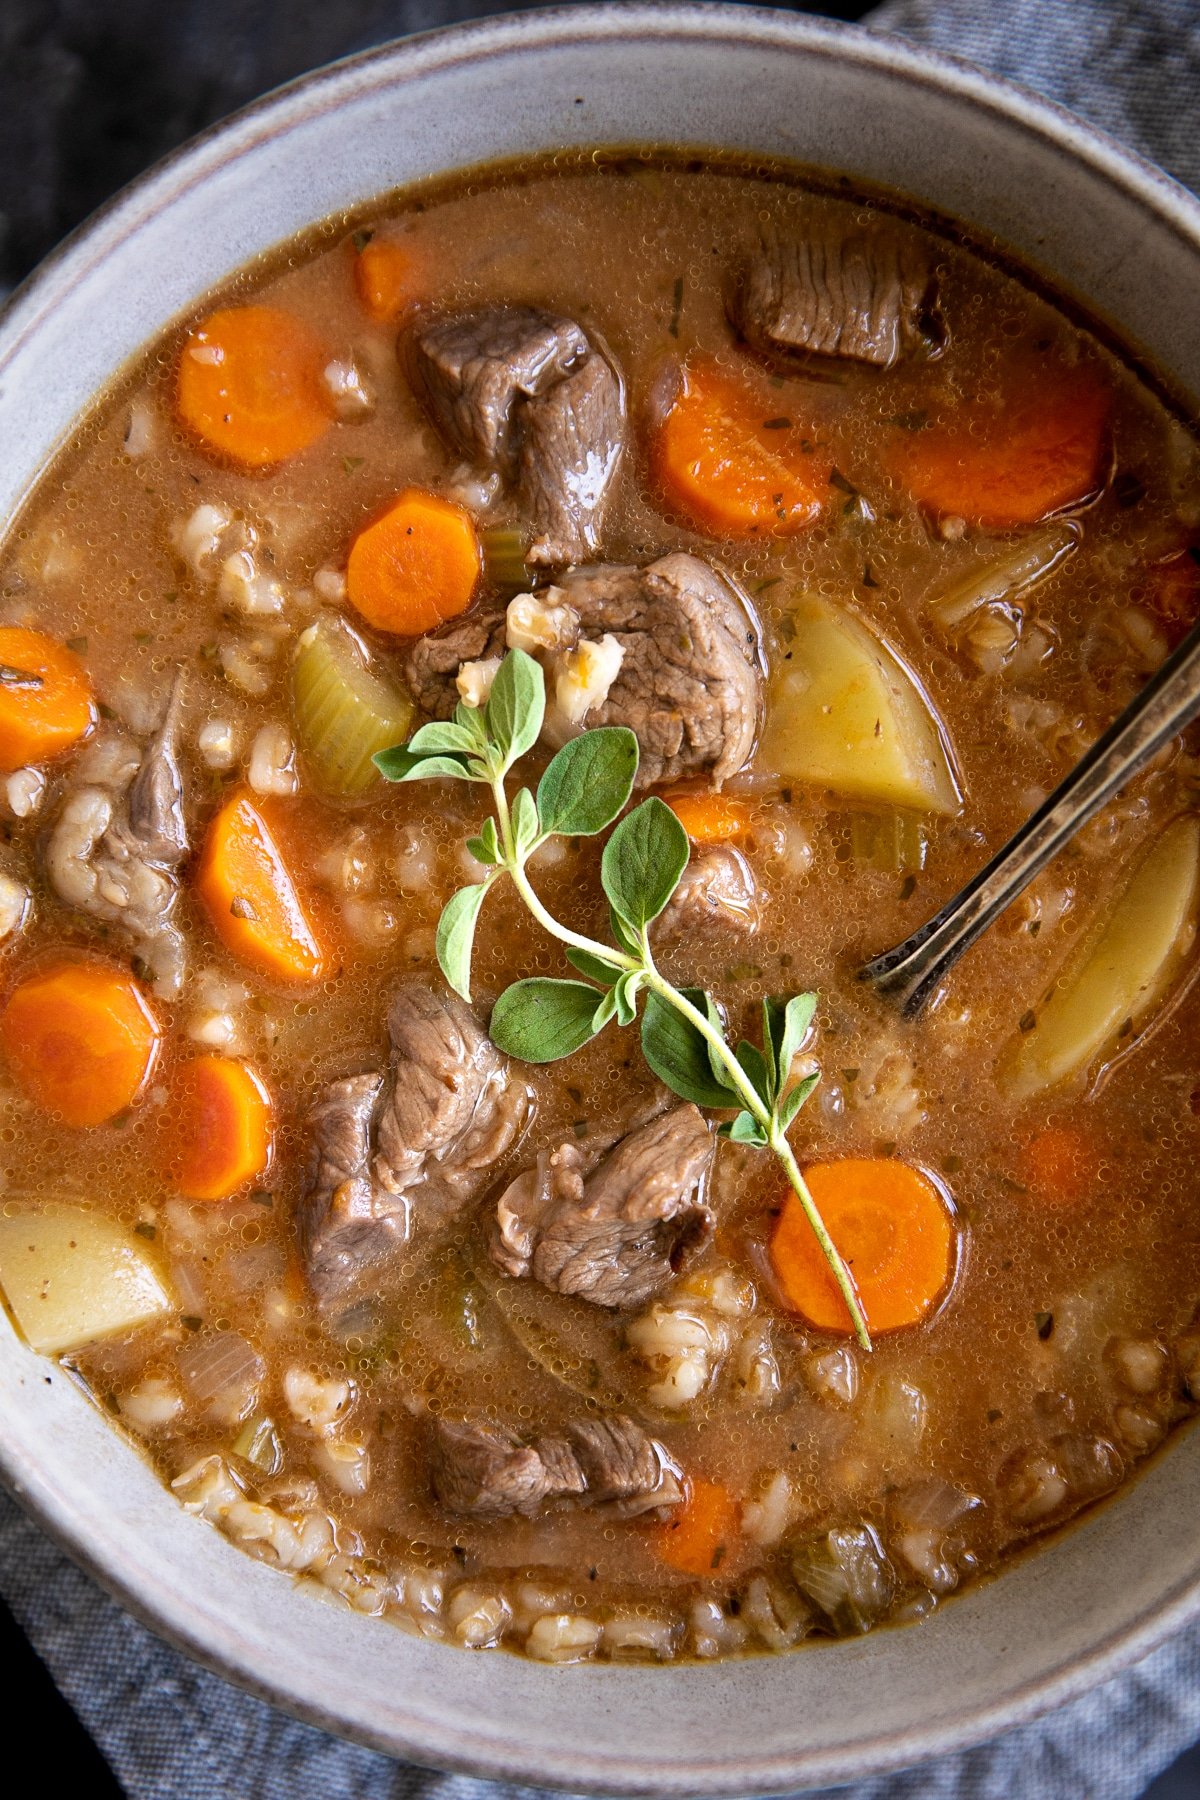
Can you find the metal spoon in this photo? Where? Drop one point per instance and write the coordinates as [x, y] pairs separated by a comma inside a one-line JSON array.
[[1170, 700]]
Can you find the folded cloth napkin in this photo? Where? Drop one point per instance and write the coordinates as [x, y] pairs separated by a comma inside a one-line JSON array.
[[170, 1730]]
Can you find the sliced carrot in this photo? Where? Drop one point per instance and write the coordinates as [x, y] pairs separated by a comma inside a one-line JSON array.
[[415, 565], [250, 385], [252, 900], [711, 818], [45, 698], [220, 1127], [385, 275], [701, 1534], [1059, 1165], [731, 467], [895, 1234], [80, 1039], [1043, 449]]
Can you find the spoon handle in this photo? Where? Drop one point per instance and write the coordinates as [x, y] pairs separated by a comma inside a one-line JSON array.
[[1170, 700]]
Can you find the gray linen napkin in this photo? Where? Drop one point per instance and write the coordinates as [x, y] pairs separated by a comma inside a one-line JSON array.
[[173, 1732]]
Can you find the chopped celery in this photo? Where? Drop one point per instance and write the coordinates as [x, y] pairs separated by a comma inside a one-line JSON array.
[[892, 842], [343, 711], [71, 1276], [504, 557], [258, 1441], [1004, 578], [1110, 987]]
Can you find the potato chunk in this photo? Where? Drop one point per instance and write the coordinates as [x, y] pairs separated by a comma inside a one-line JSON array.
[[1119, 974], [71, 1276], [844, 713]]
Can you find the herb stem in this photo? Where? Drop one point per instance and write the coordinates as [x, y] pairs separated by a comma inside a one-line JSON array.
[[658, 984]]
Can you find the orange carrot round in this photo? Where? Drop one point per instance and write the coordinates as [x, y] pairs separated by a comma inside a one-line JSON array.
[[1059, 1165], [1044, 450], [220, 1127], [894, 1232], [701, 1534], [711, 818], [252, 900], [385, 278], [734, 470], [80, 1039], [250, 385], [45, 698], [415, 565]]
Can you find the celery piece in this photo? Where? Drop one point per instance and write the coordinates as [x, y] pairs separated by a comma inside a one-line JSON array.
[[342, 709], [892, 842], [258, 1441]]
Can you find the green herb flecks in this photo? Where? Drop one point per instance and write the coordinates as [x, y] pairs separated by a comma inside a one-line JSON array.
[[583, 791]]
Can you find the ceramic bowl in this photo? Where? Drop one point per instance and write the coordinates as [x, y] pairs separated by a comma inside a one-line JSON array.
[[1075, 210]]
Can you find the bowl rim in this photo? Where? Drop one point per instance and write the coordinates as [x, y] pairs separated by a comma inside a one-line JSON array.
[[273, 115]]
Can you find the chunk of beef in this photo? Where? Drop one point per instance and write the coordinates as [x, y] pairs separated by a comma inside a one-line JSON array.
[[521, 392], [864, 295], [488, 1471], [118, 841], [717, 888], [350, 1223], [616, 1236], [688, 683], [427, 1131]]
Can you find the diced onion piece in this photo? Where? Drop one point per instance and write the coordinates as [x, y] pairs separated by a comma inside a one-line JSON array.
[[1119, 976], [844, 713], [71, 1277], [845, 1575], [343, 711], [1004, 578]]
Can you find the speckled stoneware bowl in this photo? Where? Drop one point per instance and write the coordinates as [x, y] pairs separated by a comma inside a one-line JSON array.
[[1067, 203]]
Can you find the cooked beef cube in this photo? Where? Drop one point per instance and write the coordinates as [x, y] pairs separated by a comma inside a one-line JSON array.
[[488, 1471], [350, 1223], [485, 1470], [860, 294], [519, 391], [426, 1131], [622, 1467], [717, 888], [616, 1236], [118, 841], [688, 682], [450, 1108]]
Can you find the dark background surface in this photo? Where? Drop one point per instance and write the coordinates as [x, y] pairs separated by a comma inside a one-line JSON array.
[[91, 93]]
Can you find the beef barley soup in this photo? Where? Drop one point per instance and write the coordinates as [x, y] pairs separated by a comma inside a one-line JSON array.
[[470, 700]]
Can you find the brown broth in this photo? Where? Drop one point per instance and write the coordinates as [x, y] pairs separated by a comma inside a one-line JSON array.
[[1020, 1352]]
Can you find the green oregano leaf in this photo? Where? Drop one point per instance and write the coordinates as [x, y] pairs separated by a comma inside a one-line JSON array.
[[678, 1053], [792, 1101], [403, 764], [456, 935], [515, 707], [625, 996], [593, 967], [605, 1011], [444, 735], [542, 1020], [745, 1129], [525, 822], [589, 782], [625, 938], [759, 1072], [785, 1027], [486, 847], [643, 861]]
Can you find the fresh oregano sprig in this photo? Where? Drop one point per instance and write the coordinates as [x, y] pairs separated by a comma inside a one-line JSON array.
[[585, 787]]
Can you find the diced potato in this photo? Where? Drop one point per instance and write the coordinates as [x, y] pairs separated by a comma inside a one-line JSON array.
[[1119, 975], [844, 713], [71, 1276]]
